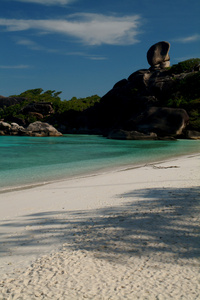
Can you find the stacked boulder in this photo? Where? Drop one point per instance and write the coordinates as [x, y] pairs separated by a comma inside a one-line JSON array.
[[135, 107], [158, 55]]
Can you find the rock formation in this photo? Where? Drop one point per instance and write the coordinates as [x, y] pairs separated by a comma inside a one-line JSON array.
[[42, 129], [38, 129], [192, 134], [152, 103], [8, 101], [43, 108], [163, 121], [135, 108], [158, 55], [131, 135]]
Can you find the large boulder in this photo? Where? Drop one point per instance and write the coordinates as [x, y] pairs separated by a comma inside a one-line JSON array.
[[37, 115], [43, 108], [164, 121], [4, 126], [119, 134], [158, 55], [16, 129], [11, 129], [161, 84], [140, 78], [41, 129], [8, 101], [34, 129], [193, 135]]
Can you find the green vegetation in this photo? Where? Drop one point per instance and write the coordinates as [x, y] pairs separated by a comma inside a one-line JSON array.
[[186, 95], [7, 112], [75, 104], [185, 66], [27, 97], [37, 95], [74, 113]]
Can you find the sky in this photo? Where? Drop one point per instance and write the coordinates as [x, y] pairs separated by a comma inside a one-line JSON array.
[[83, 47]]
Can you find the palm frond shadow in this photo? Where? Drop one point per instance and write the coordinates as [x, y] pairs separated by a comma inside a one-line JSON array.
[[149, 222]]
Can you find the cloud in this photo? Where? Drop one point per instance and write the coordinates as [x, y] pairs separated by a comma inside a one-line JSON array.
[[96, 57], [34, 46], [86, 55], [48, 2], [90, 29], [188, 39], [15, 67], [30, 44]]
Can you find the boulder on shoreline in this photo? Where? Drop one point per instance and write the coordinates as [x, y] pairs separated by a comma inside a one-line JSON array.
[[164, 121], [131, 135], [41, 129], [37, 129], [193, 135]]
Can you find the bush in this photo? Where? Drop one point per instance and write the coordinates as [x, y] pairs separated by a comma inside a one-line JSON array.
[[186, 95], [63, 109], [185, 66]]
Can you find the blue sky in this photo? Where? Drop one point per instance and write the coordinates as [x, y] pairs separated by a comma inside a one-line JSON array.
[[83, 47]]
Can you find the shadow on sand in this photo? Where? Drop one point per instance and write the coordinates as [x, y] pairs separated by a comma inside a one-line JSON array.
[[148, 222]]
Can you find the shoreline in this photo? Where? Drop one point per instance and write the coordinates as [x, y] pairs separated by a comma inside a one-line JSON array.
[[128, 233], [87, 174], [25, 175]]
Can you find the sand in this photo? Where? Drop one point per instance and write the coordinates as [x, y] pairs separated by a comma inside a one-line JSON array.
[[132, 233]]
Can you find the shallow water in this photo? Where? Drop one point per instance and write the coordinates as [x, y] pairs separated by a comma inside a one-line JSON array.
[[31, 160]]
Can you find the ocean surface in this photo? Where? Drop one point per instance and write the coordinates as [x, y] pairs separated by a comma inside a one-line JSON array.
[[32, 160]]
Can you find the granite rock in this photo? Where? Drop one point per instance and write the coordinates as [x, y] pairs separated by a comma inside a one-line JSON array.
[[42, 129], [158, 55]]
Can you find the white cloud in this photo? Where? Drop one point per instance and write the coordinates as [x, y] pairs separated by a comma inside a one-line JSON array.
[[30, 44], [48, 2], [96, 57], [86, 55], [188, 39], [15, 67], [90, 29], [34, 46]]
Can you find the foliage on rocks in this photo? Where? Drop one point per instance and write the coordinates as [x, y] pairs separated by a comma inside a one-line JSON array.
[[188, 65], [50, 96], [175, 87], [186, 95]]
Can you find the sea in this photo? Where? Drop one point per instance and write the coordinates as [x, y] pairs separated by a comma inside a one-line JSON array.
[[29, 161]]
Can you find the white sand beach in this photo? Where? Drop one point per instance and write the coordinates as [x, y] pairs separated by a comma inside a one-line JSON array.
[[132, 233]]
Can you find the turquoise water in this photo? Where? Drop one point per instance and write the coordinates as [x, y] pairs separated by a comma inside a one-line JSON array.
[[29, 160]]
